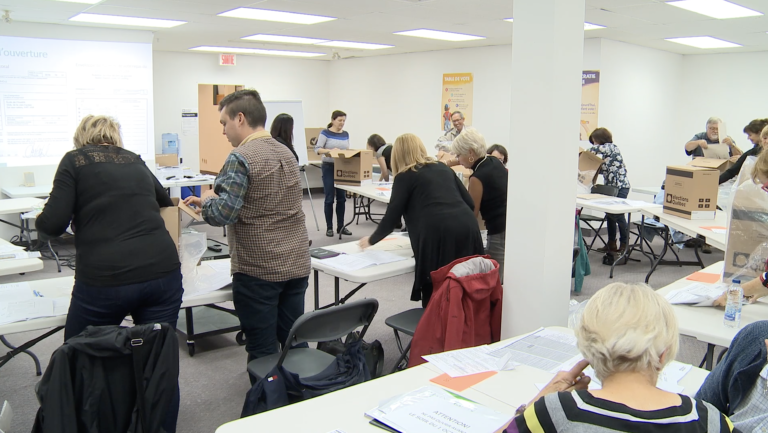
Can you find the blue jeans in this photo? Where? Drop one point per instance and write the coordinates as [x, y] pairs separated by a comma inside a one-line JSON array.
[[620, 220], [331, 192], [155, 301], [267, 311]]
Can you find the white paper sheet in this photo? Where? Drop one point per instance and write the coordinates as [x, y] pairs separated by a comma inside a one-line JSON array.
[[698, 294], [25, 310], [60, 305], [379, 257], [15, 292], [347, 262], [473, 360], [546, 350], [9, 247], [16, 255]]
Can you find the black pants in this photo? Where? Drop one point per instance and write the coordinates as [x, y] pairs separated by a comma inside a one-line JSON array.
[[330, 192]]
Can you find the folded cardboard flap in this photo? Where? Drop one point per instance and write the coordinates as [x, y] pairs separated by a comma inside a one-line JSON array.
[[588, 163], [713, 163], [191, 212], [172, 217], [167, 159], [350, 153]]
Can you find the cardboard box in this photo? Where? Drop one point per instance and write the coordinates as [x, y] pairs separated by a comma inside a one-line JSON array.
[[352, 167], [167, 159], [691, 192], [717, 164], [172, 218], [311, 135], [588, 163], [747, 232]]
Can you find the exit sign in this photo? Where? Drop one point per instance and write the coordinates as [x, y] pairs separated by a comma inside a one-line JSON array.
[[227, 59]]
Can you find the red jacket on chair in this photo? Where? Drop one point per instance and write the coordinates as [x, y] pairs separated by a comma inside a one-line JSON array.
[[464, 311]]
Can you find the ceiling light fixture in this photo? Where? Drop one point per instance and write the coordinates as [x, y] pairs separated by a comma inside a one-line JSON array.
[[509, 20], [705, 42], [355, 45], [440, 35], [90, 2], [719, 9], [284, 39], [125, 21], [590, 26], [236, 50], [278, 16]]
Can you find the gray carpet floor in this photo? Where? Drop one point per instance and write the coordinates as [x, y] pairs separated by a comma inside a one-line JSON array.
[[214, 382]]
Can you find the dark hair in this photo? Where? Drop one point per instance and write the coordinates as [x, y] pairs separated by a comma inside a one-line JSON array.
[[756, 126], [335, 115], [499, 148], [282, 128], [249, 103], [601, 136], [375, 141]]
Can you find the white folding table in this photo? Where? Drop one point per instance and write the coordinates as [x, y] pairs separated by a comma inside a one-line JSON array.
[[706, 323], [503, 392], [370, 192], [39, 191], [400, 245], [18, 266]]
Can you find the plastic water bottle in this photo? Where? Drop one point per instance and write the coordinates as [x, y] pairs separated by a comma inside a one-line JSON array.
[[732, 317]]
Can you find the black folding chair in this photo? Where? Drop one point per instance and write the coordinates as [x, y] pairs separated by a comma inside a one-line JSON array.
[[608, 190]]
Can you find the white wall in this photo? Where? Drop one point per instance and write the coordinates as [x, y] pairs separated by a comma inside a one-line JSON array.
[[730, 86], [640, 91], [178, 74]]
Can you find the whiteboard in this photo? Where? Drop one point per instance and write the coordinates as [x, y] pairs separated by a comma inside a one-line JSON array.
[[296, 110], [48, 85]]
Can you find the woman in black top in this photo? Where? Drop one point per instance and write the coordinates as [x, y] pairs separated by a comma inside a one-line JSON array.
[[487, 187], [282, 131], [437, 209], [127, 262], [383, 155], [753, 131]]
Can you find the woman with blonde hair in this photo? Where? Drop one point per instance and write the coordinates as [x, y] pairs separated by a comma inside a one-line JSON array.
[[628, 334], [438, 211]]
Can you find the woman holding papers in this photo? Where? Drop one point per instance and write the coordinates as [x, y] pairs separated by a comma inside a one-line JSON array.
[[754, 131], [614, 173], [437, 210], [627, 333], [487, 187]]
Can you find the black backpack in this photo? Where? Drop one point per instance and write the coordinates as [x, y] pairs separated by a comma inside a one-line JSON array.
[[374, 352]]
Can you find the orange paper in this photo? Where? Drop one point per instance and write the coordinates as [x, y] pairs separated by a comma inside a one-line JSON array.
[[463, 382], [384, 189], [715, 228], [704, 277]]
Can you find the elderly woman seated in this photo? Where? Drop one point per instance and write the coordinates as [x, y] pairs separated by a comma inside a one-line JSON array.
[[627, 333]]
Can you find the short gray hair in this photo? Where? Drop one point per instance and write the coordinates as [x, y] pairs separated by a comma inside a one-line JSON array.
[[627, 327], [459, 113], [713, 121], [469, 139]]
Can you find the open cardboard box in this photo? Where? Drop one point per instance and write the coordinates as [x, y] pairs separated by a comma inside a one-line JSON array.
[[713, 163], [588, 163], [352, 167], [691, 192], [311, 135], [172, 218]]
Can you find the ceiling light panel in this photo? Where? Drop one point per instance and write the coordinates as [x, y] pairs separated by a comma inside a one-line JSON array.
[[719, 9], [284, 39], [355, 45], [125, 21], [706, 42], [440, 35], [277, 16], [90, 2], [236, 50], [590, 26]]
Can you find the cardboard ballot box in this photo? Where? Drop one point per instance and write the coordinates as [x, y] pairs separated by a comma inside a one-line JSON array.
[[352, 167], [311, 135], [691, 192], [172, 218]]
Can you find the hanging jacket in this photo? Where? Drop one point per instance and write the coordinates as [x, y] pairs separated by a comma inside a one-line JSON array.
[[280, 387], [735, 376], [90, 385], [581, 267], [464, 311]]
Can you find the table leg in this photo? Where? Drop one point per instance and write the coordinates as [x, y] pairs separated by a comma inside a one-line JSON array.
[[354, 214], [24, 349], [336, 290], [317, 290], [708, 357], [626, 249], [655, 263]]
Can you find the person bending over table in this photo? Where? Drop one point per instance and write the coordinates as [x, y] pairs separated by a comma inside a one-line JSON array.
[[614, 173], [282, 131], [498, 151], [627, 333], [737, 386], [127, 262], [333, 138], [753, 130], [695, 147], [258, 195], [488, 189], [437, 210], [383, 155]]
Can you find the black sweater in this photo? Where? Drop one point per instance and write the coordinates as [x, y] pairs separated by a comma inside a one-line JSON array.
[[736, 168], [113, 201]]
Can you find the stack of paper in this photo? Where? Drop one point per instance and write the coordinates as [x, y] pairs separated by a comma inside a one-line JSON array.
[[354, 262], [20, 302], [667, 381], [432, 409], [465, 362], [698, 294], [544, 349]]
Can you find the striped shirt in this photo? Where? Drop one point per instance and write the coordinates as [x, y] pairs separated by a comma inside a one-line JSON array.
[[580, 412], [332, 140]]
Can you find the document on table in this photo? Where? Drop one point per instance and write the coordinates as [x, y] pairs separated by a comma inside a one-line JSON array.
[[380, 257], [17, 311], [357, 261], [472, 360], [667, 380], [544, 349], [9, 248], [15, 255], [16, 292], [697, 294]]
